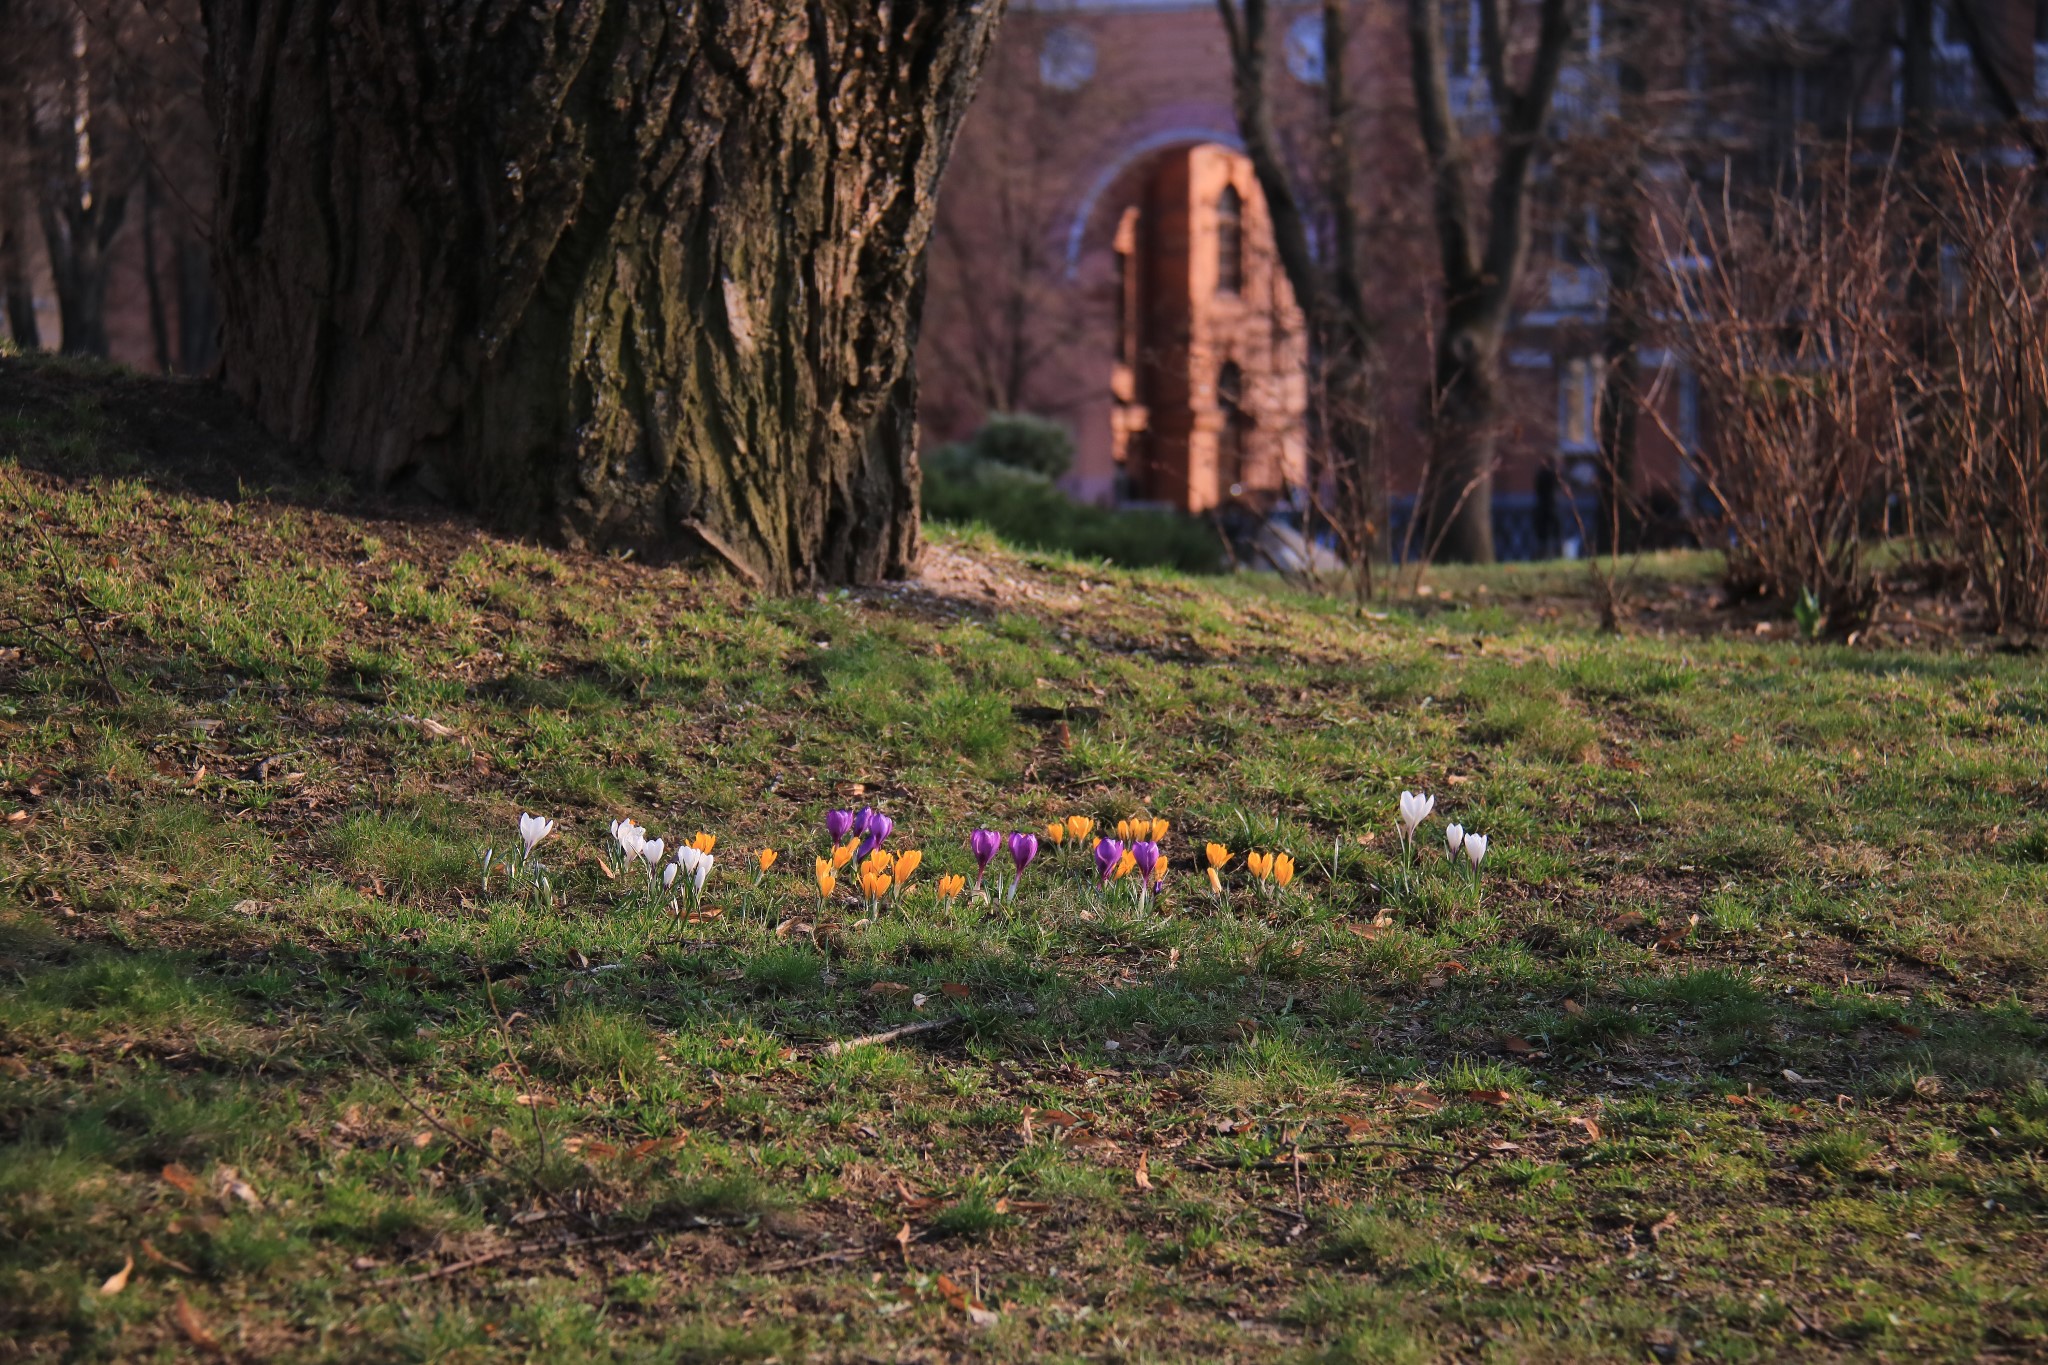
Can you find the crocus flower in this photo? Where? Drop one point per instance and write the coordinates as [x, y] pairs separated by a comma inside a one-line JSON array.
[[1261, 864], [1415, 808], [1159, 873], [767, 858], [1125, 864], [1108, 853], [533, 829], [629, 837], [842, 855], [1475, 849], [1215, 882], [951, 885], [652, 851], [1158, 830], [1283, 870], [1145, 857], [1454, 838], [983, 844], [838, 824], [873, 884], [877, 829], [703, 842], [906, 863], [1218, 856], [697, 863], [1023, 848], [1079, 827], [877, 861], [1123, 830], [1056, 832], [668, 876], [826, 881]]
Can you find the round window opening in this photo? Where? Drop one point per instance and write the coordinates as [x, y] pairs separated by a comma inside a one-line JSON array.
[[1067, 61]]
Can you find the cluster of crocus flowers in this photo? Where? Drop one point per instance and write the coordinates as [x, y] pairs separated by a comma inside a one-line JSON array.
[[951, 884], [1276, 869], [875, 878], [1458, 839], [828, 880], [1140, 829], [695, 861], [532, 830]]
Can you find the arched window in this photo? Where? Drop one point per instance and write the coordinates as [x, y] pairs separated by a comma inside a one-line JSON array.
[[1230, 436], [1229, 241]]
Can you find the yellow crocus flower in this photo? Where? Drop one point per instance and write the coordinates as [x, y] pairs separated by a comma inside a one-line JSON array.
[[1125, 864], [877, 861], [1283, 870], [826, 881], [703, 842], [767, 858], [843, 855], [1123, 831], [951, 885], [874, 885], [907, 863], [1218, 855], [1261, 864], [1159, 828], [1080, 827], [1056, 832], [1215, 882]]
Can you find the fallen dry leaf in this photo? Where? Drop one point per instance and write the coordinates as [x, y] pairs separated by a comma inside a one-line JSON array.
[[955, 990], [1588, 1127], [903, 1241], [888, 988], [1927, 1087], [1142, 1176], [149, 1250], [1521, 1047], [1488, 1096], [181, 1179], [1899, 1026], [194, 1327], [230, 1185], [535, 1101], [1574, 1008], [118, 1281]]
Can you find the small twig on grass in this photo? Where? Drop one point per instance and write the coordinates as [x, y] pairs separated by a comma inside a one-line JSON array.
[[550, 1244], [892, 1035], [776, 1267]]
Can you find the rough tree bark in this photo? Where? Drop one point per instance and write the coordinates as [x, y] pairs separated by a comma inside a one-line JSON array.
[[628, 273], [1482, 258], [1330, 291]]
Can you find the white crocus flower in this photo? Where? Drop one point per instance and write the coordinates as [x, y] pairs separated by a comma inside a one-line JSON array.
[[1475, 849], [668, 876], [1415, 808], [700, 868], [1455, 837], [652, 851], [533, 829], [629, 837]]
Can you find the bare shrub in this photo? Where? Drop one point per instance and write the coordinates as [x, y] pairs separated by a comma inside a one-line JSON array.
[[1983, 481], [1791, 314]]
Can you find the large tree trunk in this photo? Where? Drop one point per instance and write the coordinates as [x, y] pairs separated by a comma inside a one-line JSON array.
[[624, 272]]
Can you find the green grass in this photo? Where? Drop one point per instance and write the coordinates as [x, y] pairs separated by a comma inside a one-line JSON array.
[[1545, 1118]]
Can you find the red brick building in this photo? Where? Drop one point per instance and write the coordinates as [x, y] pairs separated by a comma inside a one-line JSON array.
[[1103, 256]]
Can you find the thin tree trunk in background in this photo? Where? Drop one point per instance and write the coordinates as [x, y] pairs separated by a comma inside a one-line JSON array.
[[629, 273], [1482, 256], [1329, 293], [81, 210], [18, 296], [1621, 259], [198, 304], [159, 325]]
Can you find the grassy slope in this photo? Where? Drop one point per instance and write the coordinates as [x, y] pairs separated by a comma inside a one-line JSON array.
[[241, 934]]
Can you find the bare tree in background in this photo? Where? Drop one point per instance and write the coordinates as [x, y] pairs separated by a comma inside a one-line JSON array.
[[999, 270], [1328, 287], [1483, 250]]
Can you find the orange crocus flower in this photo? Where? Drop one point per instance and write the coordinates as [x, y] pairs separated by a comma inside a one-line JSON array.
[[703, 842], [1218, 855], [826, 881], [767, 858], [951, 885], [1283, 870], [906, 863], [843, 855], [1056, 832], [1080, 827]]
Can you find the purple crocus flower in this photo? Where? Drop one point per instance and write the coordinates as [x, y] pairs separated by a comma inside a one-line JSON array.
[[1145, 855], [983, 843], [1023, 848], [838, 824], [874, 832], [862, 820], [1108, 853]]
